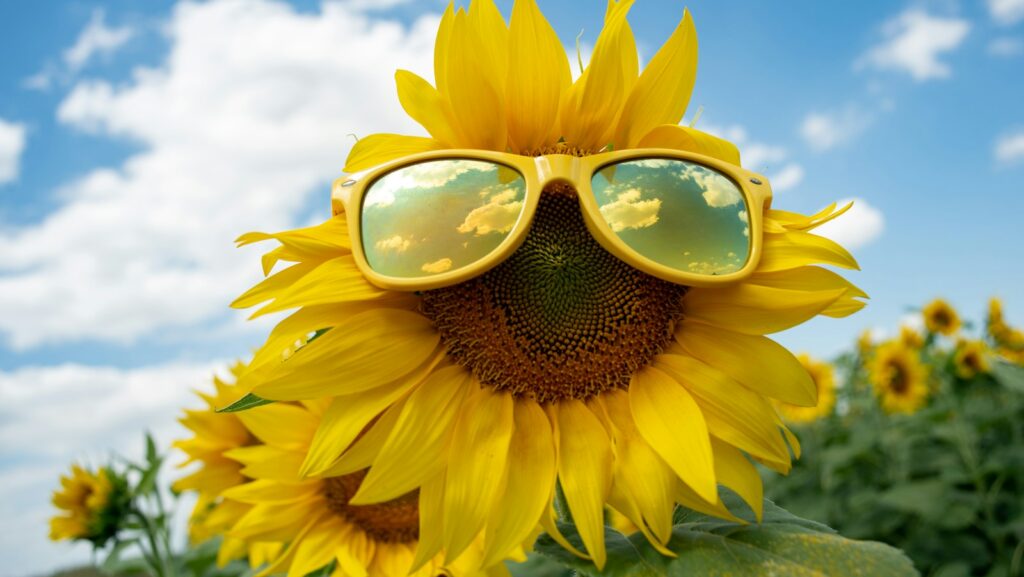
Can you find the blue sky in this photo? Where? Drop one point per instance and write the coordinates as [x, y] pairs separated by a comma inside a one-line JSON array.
[[138, 139]]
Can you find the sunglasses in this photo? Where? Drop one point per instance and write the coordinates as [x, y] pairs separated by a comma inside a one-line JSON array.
[[439, 218]]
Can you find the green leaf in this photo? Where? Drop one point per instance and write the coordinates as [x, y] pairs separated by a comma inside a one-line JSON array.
[[1009, 375], [245, 403], [151, 454], [782, 544]]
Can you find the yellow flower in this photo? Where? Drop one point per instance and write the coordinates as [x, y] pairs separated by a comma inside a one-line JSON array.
[[899, 378], [823, 376], [1009, 341], [910, 337], [214, 434], [940, 317], [865, 343], [971, 358], [91, 506], [627, 390], [315, 515]]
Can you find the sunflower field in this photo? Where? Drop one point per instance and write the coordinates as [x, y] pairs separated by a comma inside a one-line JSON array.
[[919, 443]]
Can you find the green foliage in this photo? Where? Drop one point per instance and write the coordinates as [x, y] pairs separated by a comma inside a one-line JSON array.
[[945, 484], [247, 402], [782, 544]]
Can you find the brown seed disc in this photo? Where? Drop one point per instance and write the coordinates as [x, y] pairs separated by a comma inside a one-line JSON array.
[[561, 318], [396, 521]]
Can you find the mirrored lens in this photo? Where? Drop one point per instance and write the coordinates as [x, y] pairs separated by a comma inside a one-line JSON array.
[[679, 214], [440, 215]]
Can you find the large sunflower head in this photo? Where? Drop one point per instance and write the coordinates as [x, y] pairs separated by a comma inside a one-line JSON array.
[[899, 377], [941, 318], [316, 517], [562, 362], [92, 505], [824, 379], [213, 435]]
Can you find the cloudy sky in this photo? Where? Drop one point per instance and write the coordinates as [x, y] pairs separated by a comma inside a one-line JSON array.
[[138, 139]]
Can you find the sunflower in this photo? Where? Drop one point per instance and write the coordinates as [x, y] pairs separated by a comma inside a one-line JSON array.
[[941, 318], [92, 506], [625, 389], [316, 517], [824, 379], [971, 359], [865, 343], [910, 337], [1009, 341], [213, 435], [899, 378]]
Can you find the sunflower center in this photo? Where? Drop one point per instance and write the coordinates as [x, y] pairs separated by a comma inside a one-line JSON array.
[[898, 381], [396, 521], [561, 318]]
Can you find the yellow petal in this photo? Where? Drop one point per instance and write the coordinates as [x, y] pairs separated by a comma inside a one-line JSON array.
[[691, 140], [425, 105], [284, 426], [365, 449], [348, 415], [477, 460], [735, 471], [796, 249], [796, 221], [734, 414], [372, 349], [316, 243], [431, 521], [538, 75], [529, 482], [376, 149], [476, 61], [757, 362], [585, 471], [662, 92], [688, 498], [335, 281], [273, 522], [591, 105], [643, 476], [272, 286], [754, 309], [318, 547], [415, 448], [671, 422], [806, 278], [266, 491], [267, 462]]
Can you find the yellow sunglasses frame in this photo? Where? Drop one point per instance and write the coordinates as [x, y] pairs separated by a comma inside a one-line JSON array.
[[539, 172]]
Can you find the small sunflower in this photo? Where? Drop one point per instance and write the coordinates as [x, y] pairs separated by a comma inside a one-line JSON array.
[[823, 376], [865, 343], [214, 434], [910, 337], [1009, 341], [941, 318], [315, 516], [626, 389], [899, 378], [971, 359], [92, 506]]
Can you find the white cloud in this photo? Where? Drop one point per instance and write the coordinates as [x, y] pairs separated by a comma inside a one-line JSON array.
[[1006, 12], [761, 157], [238, 134], [12, 144], [913, 41], [629, 211], [1010, 148], [858, 227], [1006, 47], [438, 266], [53, 416], [97, 38], [499, 214], [826, 130], [788, 177]]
